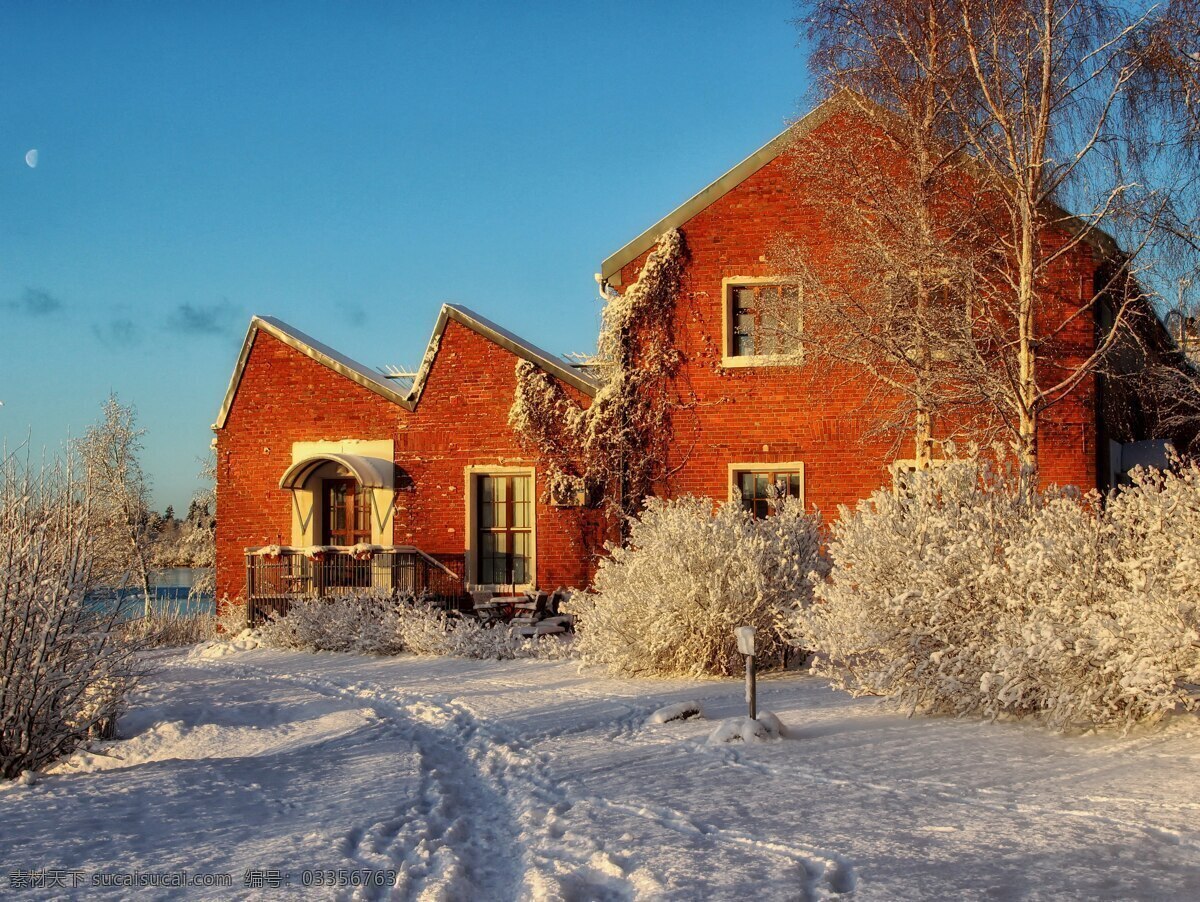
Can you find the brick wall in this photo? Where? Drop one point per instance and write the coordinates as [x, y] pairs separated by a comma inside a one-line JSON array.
[[820, 415], [461, 420]]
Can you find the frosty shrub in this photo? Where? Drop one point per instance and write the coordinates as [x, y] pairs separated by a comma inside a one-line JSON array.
[[967, 594], [667, 601], [369, 623], [171, 626], [231, 616], [360, 622], [911, 606], [1110, 632], [65, 669]]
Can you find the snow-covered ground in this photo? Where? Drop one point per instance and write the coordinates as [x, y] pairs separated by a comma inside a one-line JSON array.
[[487, 780]]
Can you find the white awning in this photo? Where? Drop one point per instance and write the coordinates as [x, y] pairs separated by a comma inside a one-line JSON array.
[[370, 472]]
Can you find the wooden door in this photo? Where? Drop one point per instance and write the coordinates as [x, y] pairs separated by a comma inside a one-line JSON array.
[[347, 509]]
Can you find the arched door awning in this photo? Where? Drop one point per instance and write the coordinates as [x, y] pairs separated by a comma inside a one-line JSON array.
[[370, 472]]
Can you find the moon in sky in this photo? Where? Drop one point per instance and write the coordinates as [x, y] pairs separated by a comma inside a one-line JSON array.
[[31, 158]]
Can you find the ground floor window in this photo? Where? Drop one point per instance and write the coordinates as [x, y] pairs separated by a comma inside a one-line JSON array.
[[504, 529], [757, 488], [347, 512]]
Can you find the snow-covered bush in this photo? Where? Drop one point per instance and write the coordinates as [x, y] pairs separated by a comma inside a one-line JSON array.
[[911, 605], [966, 593], [369, 623], [1110, 599], [172, 626], [231, 616], [65, 669], [668, 600], [360, 622]]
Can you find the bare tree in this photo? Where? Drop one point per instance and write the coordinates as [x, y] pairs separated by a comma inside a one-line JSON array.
[[110, 453], [65, 663], [200, 532], [888, 285], [1009, 112], [1048, 129]]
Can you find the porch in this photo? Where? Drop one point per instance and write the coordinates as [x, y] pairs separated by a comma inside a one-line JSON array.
[[278, 574]]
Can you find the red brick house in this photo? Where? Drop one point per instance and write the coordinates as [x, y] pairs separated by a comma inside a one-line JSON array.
[[314, 449]]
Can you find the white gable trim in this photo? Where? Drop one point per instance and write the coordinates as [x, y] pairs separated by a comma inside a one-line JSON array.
[[373, 381]]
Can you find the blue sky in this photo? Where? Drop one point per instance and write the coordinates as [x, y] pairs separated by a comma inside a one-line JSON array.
[[346, 167]]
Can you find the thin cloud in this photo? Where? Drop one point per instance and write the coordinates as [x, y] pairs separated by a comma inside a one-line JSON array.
[[203, 319], [35, 302], [120, 331], [356, 314]]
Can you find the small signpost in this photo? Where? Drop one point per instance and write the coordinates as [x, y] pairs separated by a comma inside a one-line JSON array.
[[745, 642]]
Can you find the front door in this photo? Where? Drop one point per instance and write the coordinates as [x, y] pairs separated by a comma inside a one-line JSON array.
[[347, 509]]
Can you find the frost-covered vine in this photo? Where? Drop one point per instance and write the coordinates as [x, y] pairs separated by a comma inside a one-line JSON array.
[[617, 445]]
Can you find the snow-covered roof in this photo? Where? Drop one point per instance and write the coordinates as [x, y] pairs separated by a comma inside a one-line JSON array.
[[379, 384]]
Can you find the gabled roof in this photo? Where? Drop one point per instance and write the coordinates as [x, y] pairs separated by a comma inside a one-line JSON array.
[[610, 269], [375, 382]]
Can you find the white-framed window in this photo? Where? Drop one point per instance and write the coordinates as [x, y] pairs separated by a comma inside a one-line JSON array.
[[501, 528], [755, 485], [761, 320]]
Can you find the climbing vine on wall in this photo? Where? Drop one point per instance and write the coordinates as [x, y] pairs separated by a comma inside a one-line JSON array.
[[616, 448]]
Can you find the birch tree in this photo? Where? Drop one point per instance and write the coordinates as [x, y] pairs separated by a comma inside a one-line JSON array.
[[1048, 129], [1015, 111], [888, 291], [110, 453]]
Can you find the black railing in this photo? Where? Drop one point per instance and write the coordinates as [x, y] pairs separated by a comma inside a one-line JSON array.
[[275, 576]]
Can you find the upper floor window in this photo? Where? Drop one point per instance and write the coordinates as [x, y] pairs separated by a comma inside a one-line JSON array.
[[762, 319], [759, 488]]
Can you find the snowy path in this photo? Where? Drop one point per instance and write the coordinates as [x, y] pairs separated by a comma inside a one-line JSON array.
[[485, 780]]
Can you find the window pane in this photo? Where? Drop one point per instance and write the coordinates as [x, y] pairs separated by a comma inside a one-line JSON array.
[[761, 509], [521, 502], [760, 485], [743, 299], [520, 572], [743, 346], [794, 485]]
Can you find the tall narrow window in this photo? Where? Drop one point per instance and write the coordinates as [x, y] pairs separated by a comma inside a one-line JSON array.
[[504, 523], [758, 488], [347, 509], [757, 316]]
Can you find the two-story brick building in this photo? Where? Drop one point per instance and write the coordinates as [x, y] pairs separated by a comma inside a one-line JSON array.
[[320, 453]]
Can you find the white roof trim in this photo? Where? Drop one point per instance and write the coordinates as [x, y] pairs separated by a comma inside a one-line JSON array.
[[373, 381], [370, 472], [610, 269], [511, 342]]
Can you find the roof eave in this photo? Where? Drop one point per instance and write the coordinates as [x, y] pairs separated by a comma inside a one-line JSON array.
[[358, 373], [610, 269]]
